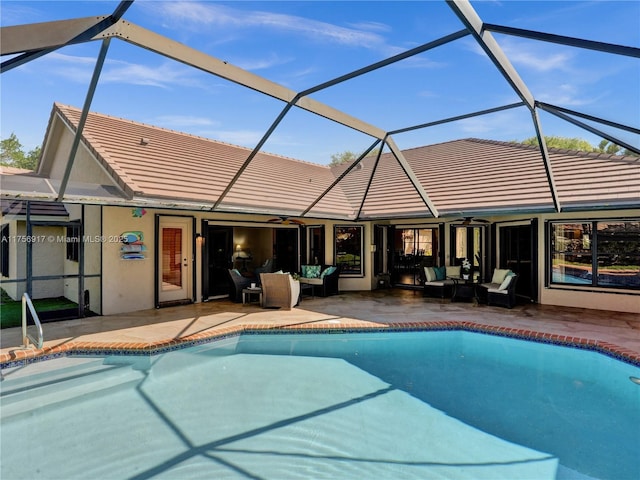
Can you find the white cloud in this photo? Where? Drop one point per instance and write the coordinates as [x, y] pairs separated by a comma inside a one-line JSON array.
[[497, 125], [263, 63], [535, 56], [163, 76], [197, 15], [536, 60], [568, 96], [79, 69]]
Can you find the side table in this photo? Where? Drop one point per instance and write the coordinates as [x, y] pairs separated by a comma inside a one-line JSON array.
[[306, 289], [465, 290], [247, 292]]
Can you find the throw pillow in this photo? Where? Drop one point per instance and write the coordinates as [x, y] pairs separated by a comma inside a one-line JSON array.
[[498, 275], [505, 283], [327, 271], [441, 272], [453, 272], [313, 271], [303, 270], [236, 272], [429, 274]]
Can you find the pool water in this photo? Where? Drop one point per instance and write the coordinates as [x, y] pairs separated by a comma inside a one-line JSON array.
[[342, 406]]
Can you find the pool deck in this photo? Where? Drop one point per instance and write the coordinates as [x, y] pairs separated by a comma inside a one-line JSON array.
[[156, 330]]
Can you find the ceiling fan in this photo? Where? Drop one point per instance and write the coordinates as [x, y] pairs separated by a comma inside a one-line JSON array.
[[284, 220], [468, 220]]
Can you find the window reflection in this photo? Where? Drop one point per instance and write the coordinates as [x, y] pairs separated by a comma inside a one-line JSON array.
[[614, 245]]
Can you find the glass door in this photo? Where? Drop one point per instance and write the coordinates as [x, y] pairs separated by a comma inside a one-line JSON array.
[[414, 249], [468, 242]]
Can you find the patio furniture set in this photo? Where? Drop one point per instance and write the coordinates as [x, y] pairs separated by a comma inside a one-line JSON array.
[[280, 289], [448, 282]]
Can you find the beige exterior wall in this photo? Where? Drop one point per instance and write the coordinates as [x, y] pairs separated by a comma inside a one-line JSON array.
[[127, 285]]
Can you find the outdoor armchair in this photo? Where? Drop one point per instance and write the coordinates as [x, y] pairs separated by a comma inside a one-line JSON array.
[[502, 288], [279, 290], [237, 283]]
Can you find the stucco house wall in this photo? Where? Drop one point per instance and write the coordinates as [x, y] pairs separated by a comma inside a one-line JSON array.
[[127, 285]]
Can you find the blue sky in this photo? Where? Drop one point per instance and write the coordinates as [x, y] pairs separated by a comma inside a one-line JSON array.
[[302, 44]]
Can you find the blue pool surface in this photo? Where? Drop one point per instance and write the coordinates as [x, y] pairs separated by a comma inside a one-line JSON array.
[[398, 405]]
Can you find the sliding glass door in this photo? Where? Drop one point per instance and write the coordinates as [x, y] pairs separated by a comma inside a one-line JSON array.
[[414, 248]]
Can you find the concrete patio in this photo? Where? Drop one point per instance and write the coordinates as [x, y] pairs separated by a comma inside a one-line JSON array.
[[620, 332]]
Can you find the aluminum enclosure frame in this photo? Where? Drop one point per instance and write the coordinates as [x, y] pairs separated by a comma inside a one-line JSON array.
[[32, 41]]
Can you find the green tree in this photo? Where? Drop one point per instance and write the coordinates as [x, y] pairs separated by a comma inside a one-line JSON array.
[[565, 143], [349, 156], [605, 146], [12, 154], [340, 158]]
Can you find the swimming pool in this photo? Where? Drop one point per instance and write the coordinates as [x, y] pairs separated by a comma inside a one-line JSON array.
[[450, 404]]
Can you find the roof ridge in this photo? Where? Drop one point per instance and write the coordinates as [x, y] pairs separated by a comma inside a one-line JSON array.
[[186, 134]]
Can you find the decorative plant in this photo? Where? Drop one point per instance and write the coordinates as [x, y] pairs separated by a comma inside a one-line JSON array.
[[466, 267]]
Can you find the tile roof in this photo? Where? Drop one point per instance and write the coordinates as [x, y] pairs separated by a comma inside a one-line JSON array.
[[5, 170], [461, 176]]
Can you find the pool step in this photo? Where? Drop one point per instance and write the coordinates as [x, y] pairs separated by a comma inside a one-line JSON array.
[[26, 394]]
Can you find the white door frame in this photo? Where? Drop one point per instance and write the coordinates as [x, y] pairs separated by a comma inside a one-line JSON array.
[[175, 272]]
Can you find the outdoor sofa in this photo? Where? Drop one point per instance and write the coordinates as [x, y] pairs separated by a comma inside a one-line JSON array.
[[323, 278], [438, 281]]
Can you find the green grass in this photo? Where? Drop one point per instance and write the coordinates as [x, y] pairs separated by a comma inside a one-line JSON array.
[[11, 310]]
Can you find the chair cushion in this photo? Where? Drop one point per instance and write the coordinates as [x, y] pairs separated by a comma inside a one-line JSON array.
[[429, 274], [439, 283], [453, 272], [499, 274], [497, 290], [311, 281], [441, 272], [310, 271], [328, 271]]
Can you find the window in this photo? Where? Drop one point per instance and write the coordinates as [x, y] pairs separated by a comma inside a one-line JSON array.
[[4, 254], [349, 249], [73, 242], [596, 253]]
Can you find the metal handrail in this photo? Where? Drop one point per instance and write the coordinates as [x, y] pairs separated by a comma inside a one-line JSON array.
[[26, 301]]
